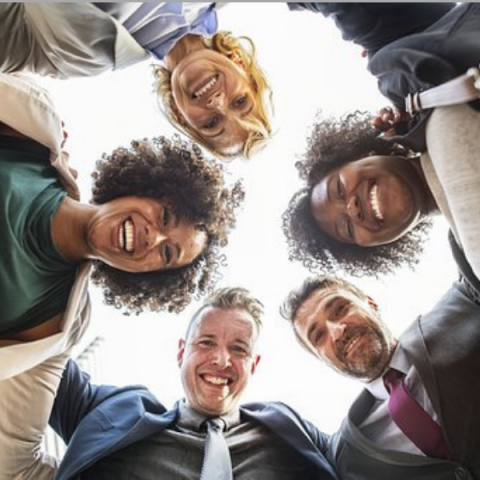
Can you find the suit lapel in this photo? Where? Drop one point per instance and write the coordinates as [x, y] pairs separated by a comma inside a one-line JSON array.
[[281, 420]]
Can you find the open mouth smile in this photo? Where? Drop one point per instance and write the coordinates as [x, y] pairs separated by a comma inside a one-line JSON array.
[[374, 203], [126, 236], [351, 345], [217, 381], [205, 88]]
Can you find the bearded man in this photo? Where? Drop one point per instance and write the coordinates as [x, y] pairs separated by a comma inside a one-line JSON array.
[[417, 417]]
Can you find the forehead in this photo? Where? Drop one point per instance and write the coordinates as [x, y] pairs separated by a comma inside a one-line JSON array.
[[316, 305], [232, 323], [321, 206]]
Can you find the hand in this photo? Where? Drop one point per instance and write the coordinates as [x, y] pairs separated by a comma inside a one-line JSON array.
[[388, 118]]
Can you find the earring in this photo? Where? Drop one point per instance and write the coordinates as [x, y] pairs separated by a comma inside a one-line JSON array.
[[236, 59]]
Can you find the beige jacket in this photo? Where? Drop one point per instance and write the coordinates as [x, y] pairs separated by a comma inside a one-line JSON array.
[[30, 372], [452, 170]]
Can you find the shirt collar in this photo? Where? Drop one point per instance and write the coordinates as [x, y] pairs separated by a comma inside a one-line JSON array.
[[400, 362], [193, 420]]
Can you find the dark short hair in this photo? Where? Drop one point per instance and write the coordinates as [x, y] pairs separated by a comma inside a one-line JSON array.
[[174, 169], [296, 298], [232, 298], [333, 143]]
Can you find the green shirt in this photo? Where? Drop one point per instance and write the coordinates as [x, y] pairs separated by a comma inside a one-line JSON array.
[[35, 278]]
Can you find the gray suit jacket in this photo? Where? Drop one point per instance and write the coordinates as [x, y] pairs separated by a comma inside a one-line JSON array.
[[444, 346]]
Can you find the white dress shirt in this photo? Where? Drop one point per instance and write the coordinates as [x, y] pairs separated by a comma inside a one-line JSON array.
[[378, 426]]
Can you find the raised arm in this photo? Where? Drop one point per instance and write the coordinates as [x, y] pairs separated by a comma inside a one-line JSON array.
[[25, 404], [374, 25]]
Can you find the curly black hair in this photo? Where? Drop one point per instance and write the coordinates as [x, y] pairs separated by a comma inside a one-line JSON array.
[[173, 169], [333, 143]]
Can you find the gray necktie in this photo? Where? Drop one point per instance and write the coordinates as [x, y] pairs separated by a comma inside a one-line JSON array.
[[216, 458]]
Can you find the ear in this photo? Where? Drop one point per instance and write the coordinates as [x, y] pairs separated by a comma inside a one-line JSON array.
[[181, 351], [372, 303], [237, 60], [254, 364]]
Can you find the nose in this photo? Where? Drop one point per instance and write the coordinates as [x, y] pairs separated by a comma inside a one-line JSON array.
[[353, 208], [221, 357], [335, 329], [217, 100], [154, 237]]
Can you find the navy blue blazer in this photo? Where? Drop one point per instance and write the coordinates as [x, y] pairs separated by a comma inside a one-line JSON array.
[[95, 421]]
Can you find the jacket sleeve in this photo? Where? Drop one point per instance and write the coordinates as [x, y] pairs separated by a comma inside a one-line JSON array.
[[372, 25], [28, 108], [77, 398], [25, 404]]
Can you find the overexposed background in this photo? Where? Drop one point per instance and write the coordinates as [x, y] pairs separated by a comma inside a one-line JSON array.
[[310, 67]]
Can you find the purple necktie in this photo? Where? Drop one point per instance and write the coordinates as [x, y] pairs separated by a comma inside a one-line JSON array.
[[412, 419]]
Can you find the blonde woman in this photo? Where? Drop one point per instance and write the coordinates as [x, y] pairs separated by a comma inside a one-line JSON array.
[[210, 84]]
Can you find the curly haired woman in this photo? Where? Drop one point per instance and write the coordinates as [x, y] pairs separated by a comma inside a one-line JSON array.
[[159, 215], [365, 206], [210, 84]]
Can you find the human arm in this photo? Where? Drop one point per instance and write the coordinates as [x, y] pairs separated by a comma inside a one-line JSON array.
[[25, 404], [77, 398], [372, 26], [28, 109], [453, 144]]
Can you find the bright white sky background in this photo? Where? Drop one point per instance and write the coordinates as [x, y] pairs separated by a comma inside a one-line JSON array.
[[310, 67]]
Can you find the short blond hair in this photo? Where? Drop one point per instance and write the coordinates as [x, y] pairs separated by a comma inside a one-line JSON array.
[[230, 298], [258, 124]]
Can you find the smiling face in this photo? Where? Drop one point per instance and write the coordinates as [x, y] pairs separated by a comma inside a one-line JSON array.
[[218, 359], [212, 94], [372, 201], [346, 332], [137, 234]]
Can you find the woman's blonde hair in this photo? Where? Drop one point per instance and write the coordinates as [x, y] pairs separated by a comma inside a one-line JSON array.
[[258, 125]]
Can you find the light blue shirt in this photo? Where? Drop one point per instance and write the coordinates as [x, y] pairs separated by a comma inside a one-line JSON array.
[[157, 27]]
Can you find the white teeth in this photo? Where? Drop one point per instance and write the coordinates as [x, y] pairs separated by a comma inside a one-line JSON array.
[[126, 235], [374, 203], [206, 88], [216, 380], [352, 344]]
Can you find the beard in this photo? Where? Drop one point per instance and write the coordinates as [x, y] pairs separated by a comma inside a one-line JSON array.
[[365, 361]]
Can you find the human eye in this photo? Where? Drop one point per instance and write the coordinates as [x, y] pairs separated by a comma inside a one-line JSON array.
[[339, 309], [340, 190], [317, 338], [240, 101], [348, 228], [212, 122], [206, 342], [167, 254], [239, 350]]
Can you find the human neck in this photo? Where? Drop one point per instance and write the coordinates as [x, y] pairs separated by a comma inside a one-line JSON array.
[[184, 47], [69, 228]]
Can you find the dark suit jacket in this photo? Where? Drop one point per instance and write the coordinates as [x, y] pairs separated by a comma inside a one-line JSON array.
[[375, 25], [410, 48], [444, 346], [95, 421]]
